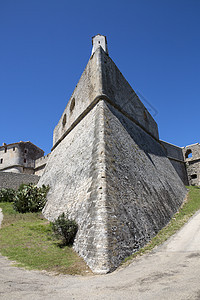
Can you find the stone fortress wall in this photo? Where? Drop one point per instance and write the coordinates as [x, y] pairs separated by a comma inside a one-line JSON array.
[[14, 180], [108, 169], [191, 155], [40, 164], [185, 160], [176, 157]]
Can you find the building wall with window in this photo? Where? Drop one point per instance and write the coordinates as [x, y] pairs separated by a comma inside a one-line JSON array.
[[19, 157], [186, 161], [191, 155]]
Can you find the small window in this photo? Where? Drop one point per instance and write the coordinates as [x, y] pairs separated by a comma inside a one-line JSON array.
[[25, 151], [13, 148], [188, 153], [72, 105], [5, 150], [193, 176], [24, 160], [1, 160], [64, 120]]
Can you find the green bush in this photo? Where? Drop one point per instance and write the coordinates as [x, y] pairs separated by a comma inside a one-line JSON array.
[[30, 198], [65, 229], [7, 195]]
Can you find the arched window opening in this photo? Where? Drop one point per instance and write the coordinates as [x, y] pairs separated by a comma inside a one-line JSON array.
[[188, 153], [72, 105], [64, 120]]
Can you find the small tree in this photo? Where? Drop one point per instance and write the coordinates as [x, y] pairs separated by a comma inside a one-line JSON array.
[[30, 198], [65, 229]]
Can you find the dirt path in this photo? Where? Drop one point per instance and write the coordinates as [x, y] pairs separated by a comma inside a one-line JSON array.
[[172, 271]]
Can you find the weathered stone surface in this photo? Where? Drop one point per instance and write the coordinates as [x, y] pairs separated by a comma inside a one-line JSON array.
[[121, 94], [40, 164], [87, 89], [143, 189], [192, 157], [116, 181], [76, 174], [102, 79], [108, 168], [13, 180], [176, 157]]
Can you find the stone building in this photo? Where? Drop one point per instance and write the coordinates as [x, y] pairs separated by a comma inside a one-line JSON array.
[[19, 157], [191, 155]]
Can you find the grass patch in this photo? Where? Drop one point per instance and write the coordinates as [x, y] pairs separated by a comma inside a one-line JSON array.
[[187, 210], [28, 240]]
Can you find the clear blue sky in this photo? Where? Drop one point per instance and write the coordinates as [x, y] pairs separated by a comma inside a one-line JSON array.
[[46, 44]]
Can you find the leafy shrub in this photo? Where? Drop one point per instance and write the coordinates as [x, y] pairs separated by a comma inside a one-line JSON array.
[[65, 229], [7, 195], [30, 198]]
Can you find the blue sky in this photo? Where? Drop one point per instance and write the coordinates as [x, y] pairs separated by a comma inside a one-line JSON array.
[[46, 44]]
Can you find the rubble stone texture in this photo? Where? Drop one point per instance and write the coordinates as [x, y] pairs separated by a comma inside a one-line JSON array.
[[14, 180], [192, 159], [108, 168]]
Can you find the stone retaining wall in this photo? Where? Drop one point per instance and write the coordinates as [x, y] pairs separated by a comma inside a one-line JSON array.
[[13, 180]]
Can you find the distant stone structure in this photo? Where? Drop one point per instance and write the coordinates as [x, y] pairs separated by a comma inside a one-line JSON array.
[[40, 164], [192, 158], [21, 162], [19, 157], [108, 168], [177, 159]]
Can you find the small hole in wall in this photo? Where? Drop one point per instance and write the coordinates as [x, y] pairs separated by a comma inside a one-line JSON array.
[[64, 120], [145, 116], [72, 105], [193, 176]]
